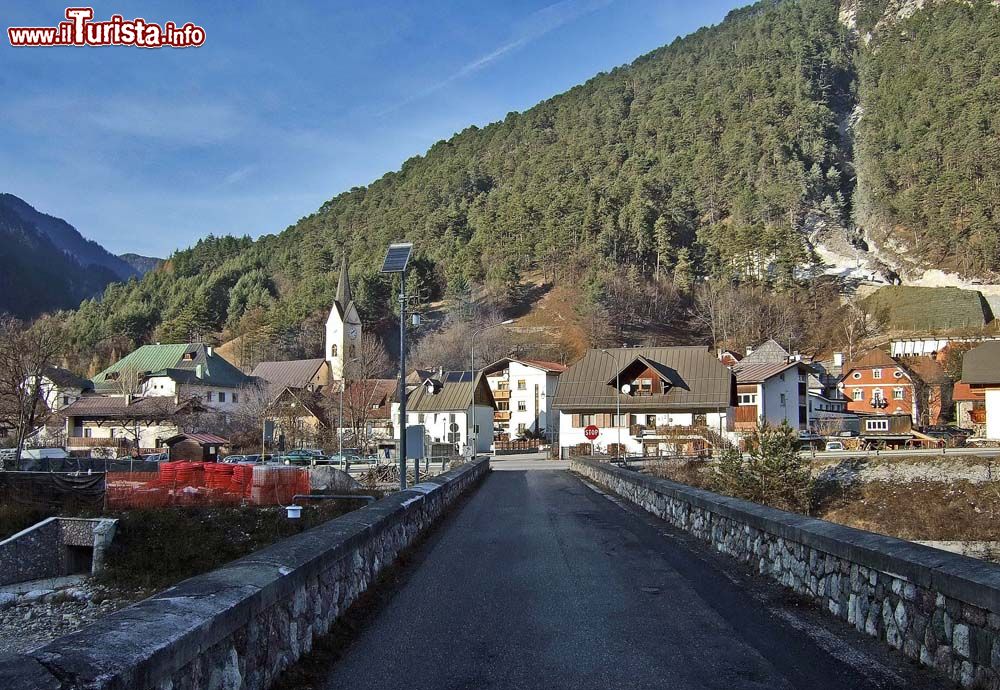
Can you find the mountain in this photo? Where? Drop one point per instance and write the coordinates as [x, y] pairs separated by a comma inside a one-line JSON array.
[[711, 157], [141, 264], [37, 276], [67, 239]]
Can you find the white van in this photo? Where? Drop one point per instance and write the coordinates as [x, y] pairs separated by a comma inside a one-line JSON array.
[[39, 453]]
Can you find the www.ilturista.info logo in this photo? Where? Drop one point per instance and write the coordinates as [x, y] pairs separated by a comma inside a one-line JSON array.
[[80, 30]]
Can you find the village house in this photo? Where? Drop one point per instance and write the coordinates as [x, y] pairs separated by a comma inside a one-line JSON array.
[[454, 407], [771, 387], [178, 371], [119, 425], [970, 408], [671, 399], [60, 387], [523, 390], [981, 372], [301, 374], [915, 385]]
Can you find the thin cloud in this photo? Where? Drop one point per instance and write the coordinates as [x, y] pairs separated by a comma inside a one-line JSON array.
[[535, 26]]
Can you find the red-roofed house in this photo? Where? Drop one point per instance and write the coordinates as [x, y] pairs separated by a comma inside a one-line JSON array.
[[523, 389]]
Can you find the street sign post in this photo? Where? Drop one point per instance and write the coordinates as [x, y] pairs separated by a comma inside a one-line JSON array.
[[591, 432]]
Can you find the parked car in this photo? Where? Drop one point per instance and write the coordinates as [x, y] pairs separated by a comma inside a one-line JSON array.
[[834, 445], [157, 457], [233, 459], [345, 458], [302, 457]]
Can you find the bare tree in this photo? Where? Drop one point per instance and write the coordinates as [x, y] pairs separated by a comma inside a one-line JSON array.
[[256, 405], [25, 353], [859, 324], [363, 387]]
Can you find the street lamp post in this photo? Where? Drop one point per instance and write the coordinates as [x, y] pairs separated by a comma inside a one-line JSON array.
[[472, 373], [396, 258], [618, 403]]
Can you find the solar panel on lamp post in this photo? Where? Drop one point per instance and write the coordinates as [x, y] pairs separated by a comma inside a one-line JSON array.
[[397, 256]]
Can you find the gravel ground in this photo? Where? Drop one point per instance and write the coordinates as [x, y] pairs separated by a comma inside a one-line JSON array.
[[37, 617]]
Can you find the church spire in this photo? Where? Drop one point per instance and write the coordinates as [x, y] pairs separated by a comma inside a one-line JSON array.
[[344, 297]]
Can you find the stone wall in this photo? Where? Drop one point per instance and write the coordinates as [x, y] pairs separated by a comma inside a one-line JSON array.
[[939, 608], [41, 551], [242, 625]]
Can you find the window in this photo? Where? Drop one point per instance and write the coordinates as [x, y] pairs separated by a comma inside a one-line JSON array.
[[644, 386], [898, 394], [876, 373], [651, 421], [857, 374], [522, 406], [420, 418], [222, 396], [87, 432], [476, 428], [65, 400], [619, 420], [876, 425], [113, 430], [451, 418], [521, 385], [234, 398], [748, 398], [898, 374], [354, 351], [503, 405], [877, 396], [209, 396], [502, 385], [782, 399], [858, 394], [333, 350], [586, 419], [521, 428]]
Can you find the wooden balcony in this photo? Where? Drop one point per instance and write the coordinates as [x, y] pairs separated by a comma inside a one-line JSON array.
[[501, 415], [82, 442], [501, 395]]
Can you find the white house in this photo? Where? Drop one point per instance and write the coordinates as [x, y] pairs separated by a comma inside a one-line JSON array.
[[524, 390], [60, 387], [121, 424], [672, 399], [179, 371], [343, 327], [773, 387], [454, 407], [981, 372]]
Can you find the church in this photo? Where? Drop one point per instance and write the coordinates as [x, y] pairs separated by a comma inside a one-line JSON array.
[[342, 344], [343, 327]]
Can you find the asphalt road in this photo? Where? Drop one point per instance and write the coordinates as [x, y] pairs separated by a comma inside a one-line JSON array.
[[540, 581]]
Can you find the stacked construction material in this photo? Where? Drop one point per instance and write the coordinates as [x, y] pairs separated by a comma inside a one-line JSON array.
[[278, 484]]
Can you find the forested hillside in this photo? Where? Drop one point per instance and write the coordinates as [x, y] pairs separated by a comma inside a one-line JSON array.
[[702, 159], [929, 138], [36, 276]]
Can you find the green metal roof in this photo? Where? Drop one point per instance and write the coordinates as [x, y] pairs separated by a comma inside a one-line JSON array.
[[169, 360]]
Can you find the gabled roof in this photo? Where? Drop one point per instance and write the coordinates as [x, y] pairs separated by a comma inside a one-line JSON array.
[[118, 407], [375, 394], [701, 382], [548, 367], [203, 439], [769, 352], [761, 372], [640, 361], [455, 392], [179, 362], [298, 373], [981, 365], [874, 359], [64, 378], [927, 369]]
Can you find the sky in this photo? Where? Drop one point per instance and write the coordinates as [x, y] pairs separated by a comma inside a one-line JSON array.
[[286, 104]]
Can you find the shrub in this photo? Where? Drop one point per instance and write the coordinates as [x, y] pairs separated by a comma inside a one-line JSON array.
[[771, 472]]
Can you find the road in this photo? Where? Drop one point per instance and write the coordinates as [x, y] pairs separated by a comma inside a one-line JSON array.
[[540, 581]]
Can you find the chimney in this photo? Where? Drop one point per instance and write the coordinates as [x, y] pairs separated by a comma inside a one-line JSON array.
[[199, 371], [838, 359]]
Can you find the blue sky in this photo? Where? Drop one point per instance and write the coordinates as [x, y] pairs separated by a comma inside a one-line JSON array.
[[286, 104]]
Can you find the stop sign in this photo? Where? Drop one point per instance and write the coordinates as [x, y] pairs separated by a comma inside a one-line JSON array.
[[591, 432]]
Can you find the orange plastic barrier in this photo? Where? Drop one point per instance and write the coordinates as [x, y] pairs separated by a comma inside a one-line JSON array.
[[200, 483]]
